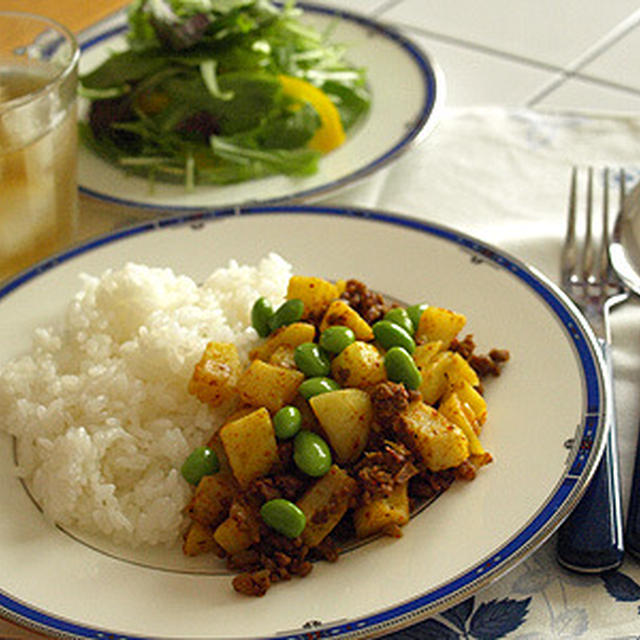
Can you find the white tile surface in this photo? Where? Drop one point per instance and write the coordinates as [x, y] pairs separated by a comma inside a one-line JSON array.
[[365, 7], [547, 31], [619, 63], [474, 78], [580, 95]]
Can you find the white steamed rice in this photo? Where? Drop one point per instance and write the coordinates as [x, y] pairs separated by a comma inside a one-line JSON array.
[[99, 407]]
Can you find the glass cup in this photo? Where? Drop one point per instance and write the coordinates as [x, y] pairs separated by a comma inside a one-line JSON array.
[[38, 139]]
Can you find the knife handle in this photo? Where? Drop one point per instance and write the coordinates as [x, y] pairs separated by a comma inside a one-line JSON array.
[[591, 539], [632, 531]]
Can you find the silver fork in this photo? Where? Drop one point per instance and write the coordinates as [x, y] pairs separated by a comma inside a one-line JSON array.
[[591, 539]]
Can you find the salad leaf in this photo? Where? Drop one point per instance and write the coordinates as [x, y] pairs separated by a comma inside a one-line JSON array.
[[352, 102], [198, 95], [289, 130], [297, 162], [123, 68]]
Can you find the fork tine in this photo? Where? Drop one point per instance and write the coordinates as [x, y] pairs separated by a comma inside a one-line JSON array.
[[587, 248], [603, 261], [569, 259], [623, 192]]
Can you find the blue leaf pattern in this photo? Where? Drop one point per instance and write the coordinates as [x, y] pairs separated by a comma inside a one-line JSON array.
[[621, 587], [571, 623], [496, 618], [491, 620], [533, 581], [459, 614], [429, 630]]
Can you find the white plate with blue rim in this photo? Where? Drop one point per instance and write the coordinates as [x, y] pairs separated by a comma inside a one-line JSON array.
[[545, 431], [407, 95]]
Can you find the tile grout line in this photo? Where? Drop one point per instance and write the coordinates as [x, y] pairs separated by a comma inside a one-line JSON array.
[[561, 74], [385, 6], [609, 84], [474, 46], [600, 47]]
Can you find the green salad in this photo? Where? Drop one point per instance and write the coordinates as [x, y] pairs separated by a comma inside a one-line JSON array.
[[221, 91]]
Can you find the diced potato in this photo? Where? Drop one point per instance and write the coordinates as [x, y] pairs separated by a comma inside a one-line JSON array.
[[238, 412], [284, 356], [239, 531], [339, 312], [290, 335], [440, 443], [442, 372], [459, 369], [250, 445], [212, 498], [329, 496], [439, 324], [425, 353], [215, 375], [316, 293], [382, 513], [481, 460], [360, 365], [267, 385], [345, 417], [434, 377], [199, 539], [472, 398], [454, 410]]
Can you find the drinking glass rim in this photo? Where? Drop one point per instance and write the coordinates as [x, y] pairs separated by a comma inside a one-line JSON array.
[[58, 78]]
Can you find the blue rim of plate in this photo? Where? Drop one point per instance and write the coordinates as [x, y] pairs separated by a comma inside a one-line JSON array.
[[433, 99], [589, 435]]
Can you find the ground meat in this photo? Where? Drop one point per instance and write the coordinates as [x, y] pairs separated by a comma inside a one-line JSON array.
[[484, 365], [429, 484], [389, 399], [466, 471], [464, 347], [370, 305], [378, 473], [267, 488], [327, 550], [256, 583], [499, 355], [274, 559], [489, 365]]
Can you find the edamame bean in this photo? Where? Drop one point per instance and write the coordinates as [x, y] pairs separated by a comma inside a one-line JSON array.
[[261, 314], [401, 368], [201, 462], [311, 360], [414, 312], [287, 422], [399, 316], [287, 313], [284, 516], [389, 334], [311, 453], [317, 385], [337, 338]]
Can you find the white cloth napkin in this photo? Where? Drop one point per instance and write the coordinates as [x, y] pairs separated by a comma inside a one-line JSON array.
[[503, 176]]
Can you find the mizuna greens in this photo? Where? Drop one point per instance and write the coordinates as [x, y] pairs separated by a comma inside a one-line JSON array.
[[221, 91]]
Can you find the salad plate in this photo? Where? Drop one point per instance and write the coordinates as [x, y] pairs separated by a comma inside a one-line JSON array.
[[407, 93], [545, 431]]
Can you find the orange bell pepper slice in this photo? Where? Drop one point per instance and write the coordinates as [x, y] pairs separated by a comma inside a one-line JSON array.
[[331, 133]]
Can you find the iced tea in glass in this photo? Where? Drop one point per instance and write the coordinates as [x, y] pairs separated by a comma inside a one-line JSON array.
[[38, 139]]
